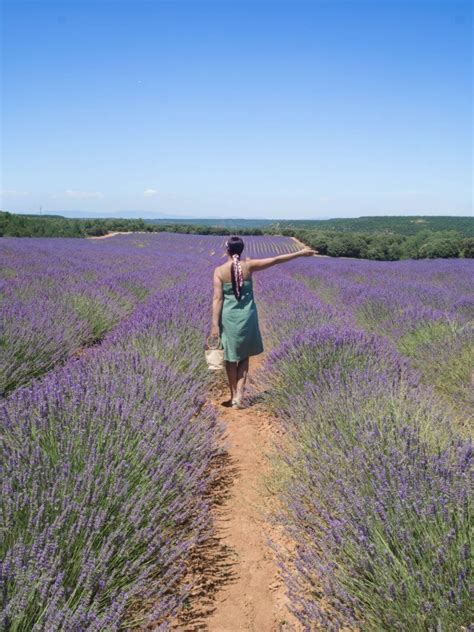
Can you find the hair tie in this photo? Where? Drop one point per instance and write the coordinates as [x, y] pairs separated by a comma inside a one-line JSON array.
[[239, 277]]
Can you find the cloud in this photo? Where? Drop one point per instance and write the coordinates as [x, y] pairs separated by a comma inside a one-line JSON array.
[[80, 195], [150, 192], [13, 192]]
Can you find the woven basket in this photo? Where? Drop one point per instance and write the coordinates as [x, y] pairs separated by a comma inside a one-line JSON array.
[[214, 356]]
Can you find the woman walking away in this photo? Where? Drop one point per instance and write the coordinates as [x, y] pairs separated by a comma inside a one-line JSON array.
[[234, 313]]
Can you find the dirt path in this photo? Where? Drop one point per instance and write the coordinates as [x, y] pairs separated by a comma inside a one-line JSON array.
[[299, 243], [240, 588], [117, 232]]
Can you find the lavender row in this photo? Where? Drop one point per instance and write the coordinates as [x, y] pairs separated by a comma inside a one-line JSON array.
[[377, 491], [425, 308], [383, 293], [60, 295], [106, 463]]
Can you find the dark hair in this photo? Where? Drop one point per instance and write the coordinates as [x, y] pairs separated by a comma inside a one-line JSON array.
[[234, 246]]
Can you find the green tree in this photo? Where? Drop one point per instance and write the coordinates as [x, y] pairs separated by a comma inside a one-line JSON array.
[[439, 248], [467, 248]]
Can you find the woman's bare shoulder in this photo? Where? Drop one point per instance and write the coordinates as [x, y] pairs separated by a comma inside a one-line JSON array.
[[218, 270], [248, 267]]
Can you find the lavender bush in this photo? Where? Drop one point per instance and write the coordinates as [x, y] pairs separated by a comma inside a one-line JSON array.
[[381, 520]]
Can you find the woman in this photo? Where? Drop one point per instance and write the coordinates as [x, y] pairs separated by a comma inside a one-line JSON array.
[[234, 313]]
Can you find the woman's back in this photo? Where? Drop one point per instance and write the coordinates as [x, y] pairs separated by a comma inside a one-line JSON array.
[[240, 333], [246, 293], [225, 271]]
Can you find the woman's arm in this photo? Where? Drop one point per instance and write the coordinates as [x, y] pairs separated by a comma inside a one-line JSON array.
[[262, 264], [217, 301]]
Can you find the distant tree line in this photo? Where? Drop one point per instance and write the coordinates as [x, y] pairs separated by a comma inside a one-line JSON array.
[[394, 224], [13, 225], [425, 244], [382, 245]]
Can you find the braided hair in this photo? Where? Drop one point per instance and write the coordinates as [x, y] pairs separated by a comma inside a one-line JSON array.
[[234, 246]]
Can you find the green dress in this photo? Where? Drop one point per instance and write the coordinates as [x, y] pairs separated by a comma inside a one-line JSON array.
[[240, 333]]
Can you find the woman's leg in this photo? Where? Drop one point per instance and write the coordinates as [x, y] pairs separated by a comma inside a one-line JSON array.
[[231, 368], [242, 370]]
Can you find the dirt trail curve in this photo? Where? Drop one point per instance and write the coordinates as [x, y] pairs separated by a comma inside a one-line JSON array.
[[240, 588], [119, 232]]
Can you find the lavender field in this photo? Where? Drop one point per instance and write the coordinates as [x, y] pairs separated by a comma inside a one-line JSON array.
[[109, 442], [372, 373]]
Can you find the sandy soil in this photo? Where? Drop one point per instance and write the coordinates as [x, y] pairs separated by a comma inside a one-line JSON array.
[[239, 585], [298, 242], [123, 232]]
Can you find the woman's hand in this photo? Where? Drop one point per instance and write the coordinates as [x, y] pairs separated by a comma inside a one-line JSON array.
[[215, 331], [307, 252]]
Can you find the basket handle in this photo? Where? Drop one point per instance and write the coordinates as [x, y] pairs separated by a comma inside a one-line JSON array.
[[210, 336]]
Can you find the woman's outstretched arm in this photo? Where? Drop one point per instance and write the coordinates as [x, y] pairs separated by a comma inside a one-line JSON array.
[[262, 264], [217, 301]]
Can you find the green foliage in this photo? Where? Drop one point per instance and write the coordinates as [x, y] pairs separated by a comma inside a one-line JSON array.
[[99, 316], [439, 248], [467, 248], [348, 246], [12, 225], [443, 351]]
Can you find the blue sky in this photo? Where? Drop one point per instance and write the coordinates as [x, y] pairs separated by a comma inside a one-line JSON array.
[[247, 108]]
